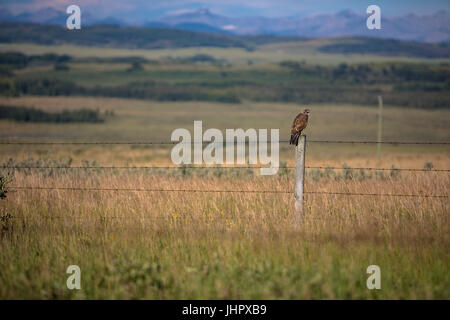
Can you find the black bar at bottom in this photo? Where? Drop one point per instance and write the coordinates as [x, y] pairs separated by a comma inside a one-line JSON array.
[[221, 309]]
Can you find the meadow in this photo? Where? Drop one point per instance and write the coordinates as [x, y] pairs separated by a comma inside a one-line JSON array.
[[141, 121], [306, 50], [134, 239], [158, 245], [174, 245], [203, 77]]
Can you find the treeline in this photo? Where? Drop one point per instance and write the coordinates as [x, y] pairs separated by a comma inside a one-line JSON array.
[[389, 47], [300, 93], [129, 59], [344, 94], [18, 60], [137, 90], [202, 58], [374, 73], [24, 114], [402, 84]]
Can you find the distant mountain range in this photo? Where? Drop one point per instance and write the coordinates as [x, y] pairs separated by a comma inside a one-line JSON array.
[[54, 17], [424, 28]]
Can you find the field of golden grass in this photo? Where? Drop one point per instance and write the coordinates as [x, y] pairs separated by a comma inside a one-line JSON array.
[[234, 245], [165, 245], [140, 120]]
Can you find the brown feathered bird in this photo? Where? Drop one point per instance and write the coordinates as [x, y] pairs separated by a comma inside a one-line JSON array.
[[300, 122]]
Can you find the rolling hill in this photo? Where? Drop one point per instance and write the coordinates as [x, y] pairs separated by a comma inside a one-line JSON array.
[[424, 28], [158, 37]]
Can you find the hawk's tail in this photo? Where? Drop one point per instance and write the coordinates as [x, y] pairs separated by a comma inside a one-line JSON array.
[[294, 139]]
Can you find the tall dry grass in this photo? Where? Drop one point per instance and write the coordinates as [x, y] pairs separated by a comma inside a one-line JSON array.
[[134, 244]]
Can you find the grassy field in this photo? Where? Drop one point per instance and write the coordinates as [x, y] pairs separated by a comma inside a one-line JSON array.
[[270, 53], [133, 244], [138, 120], [204, 76], [161, 245]]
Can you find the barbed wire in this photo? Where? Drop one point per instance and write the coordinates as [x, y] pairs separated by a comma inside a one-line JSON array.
[[376, 169], [216, 167], [144, 190], [19, 188], [101, 217], [207, 142], [382, 142]]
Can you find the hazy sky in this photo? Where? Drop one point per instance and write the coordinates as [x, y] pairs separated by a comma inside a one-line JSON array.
[[154, 9]]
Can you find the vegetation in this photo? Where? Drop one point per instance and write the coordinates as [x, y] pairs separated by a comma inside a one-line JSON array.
[[35, 115], [61, 67], [202, 77], [202, 58], [51, 167], [389, 47], [154, 38], [340, 122], [224, 245], [115, 36], [135, 66], [163, 245], [19, 60], [4, 180]]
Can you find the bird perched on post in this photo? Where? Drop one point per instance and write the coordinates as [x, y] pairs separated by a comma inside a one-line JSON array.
[[300, 122]]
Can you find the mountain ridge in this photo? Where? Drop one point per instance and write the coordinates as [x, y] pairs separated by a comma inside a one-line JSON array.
[[132, 37], [423, 28]]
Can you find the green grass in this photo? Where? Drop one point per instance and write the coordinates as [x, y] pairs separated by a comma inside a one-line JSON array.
[[139, 120], [218, 268], [401, 84], [135, 245], [150, 120], [271, 53], [220, 246]]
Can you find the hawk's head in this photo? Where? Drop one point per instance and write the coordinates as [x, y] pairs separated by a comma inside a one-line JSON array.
[[306, 111]]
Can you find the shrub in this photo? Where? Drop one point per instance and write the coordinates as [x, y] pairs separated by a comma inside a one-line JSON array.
[[4, 180], [35, 115], [61, 67]]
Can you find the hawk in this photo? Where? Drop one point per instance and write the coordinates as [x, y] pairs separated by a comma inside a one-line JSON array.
[[300, 122]]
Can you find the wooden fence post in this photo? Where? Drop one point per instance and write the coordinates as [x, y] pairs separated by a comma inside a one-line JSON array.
[[380, 126], [299, 183]]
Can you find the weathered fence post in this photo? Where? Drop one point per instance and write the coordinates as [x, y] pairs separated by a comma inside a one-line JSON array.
[[299, 183], [380, 126]]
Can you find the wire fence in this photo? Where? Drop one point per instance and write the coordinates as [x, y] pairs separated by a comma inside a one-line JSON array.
[[217, 167], [30, 188], [206, 142], [19, 188]]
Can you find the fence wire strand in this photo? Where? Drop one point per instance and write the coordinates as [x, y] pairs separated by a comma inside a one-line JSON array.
[[207, 142], [28, 188], [19, 188], [214, 167]]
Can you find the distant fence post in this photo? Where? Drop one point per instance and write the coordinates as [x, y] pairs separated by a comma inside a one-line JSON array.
[[380, 125], [299, 183]]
